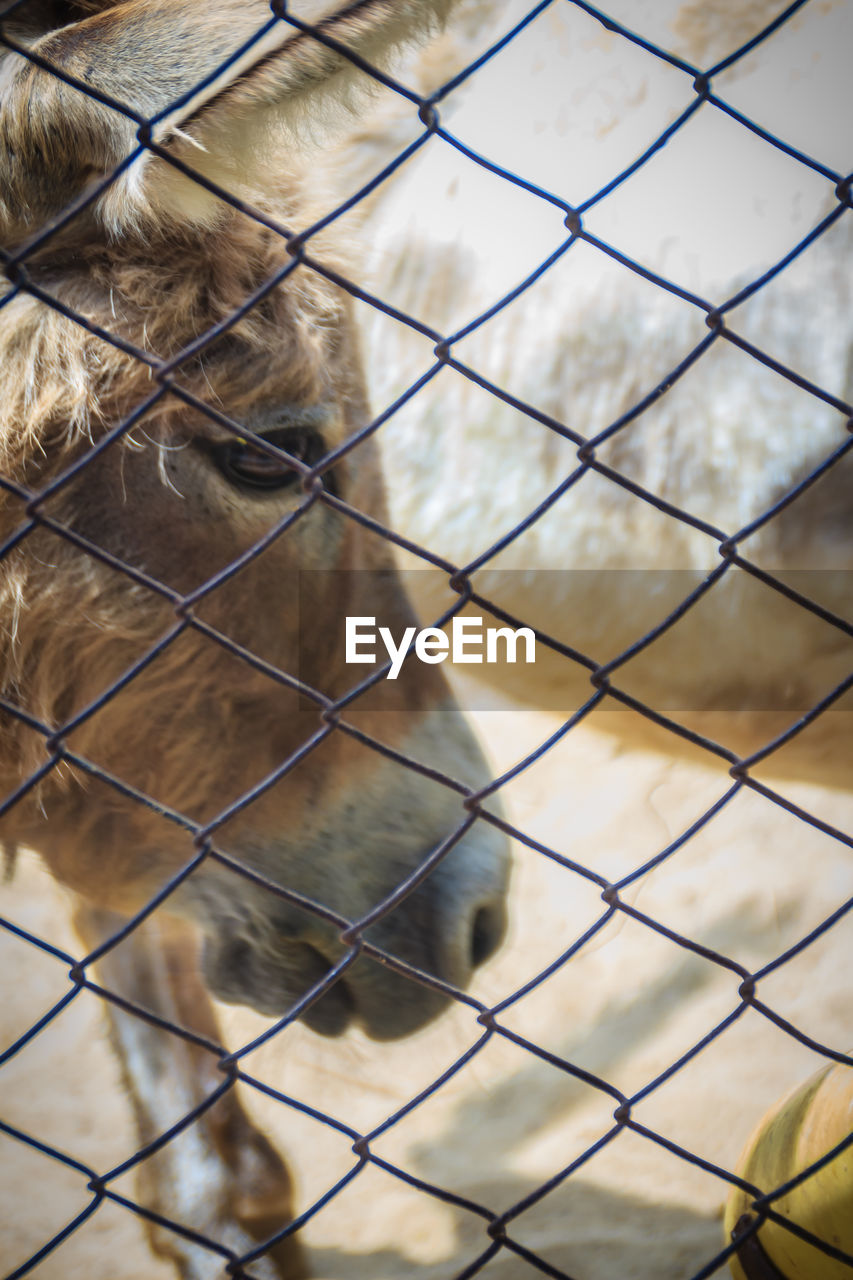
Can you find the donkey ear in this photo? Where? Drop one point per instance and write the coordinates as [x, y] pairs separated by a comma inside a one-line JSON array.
[[203, 78], [294, 61], [288, 77]]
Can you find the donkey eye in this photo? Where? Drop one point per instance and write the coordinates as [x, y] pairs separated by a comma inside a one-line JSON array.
[[244, 464]]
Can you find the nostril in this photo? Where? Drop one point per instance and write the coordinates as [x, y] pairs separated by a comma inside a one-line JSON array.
[[487, 932]]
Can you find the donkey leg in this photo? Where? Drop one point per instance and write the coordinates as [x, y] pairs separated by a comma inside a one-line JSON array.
[[220, 1177]]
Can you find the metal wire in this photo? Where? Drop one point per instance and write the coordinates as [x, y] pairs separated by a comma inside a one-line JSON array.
[[331, 713]]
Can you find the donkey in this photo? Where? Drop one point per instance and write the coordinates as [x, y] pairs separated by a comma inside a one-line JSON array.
[[657, 430], [189, 514]]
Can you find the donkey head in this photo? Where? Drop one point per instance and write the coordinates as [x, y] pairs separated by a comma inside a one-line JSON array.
[[185, 526]]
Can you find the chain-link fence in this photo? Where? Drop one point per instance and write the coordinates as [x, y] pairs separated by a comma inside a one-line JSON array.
[[73, 749]]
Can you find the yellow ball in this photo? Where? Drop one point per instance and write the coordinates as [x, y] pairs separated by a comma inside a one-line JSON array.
[[797, 1131]]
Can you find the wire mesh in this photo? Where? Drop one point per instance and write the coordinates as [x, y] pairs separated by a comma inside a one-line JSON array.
[[331, 714]]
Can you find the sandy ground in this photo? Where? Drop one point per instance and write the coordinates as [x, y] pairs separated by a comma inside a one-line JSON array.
[[629, 1004]]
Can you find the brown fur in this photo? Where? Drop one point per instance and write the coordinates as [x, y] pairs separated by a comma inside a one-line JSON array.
[[92, 327]]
